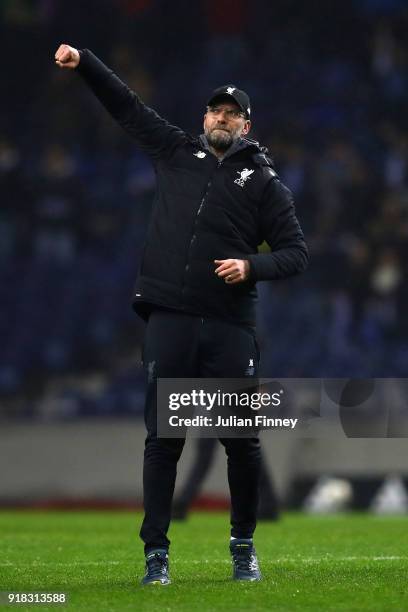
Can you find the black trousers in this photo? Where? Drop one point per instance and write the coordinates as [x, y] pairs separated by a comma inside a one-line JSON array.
[[179, 345], [206, 449]]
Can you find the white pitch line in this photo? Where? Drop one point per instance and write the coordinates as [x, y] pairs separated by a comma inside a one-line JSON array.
[[58, 563], [204, 561], [355, 558], [305, 559]]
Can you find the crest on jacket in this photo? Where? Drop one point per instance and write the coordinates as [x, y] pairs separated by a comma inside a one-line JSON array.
[[200, 154], [244, 175]]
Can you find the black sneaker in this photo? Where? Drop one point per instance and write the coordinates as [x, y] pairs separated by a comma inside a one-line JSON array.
[[157, 567], [244, 560]]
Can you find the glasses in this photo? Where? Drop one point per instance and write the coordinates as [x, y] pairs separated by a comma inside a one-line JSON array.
[[230, 113]]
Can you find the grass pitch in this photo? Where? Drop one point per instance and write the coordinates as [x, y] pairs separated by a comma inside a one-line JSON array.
[[348, 563]]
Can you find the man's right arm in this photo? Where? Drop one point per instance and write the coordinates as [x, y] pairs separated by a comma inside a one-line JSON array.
[[153, 134]]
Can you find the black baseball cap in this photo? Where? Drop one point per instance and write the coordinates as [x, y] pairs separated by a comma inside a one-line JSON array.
[[230, 91]]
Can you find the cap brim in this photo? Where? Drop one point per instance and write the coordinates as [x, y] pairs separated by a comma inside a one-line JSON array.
[[227, 96]]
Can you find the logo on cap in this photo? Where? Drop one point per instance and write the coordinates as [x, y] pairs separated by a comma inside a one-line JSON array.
[[230, 90]]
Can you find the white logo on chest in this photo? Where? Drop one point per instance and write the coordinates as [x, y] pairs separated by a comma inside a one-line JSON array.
[[244, 175], [200, 154]]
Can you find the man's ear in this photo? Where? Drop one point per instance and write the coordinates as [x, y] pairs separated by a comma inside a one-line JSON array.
[[247, 127]]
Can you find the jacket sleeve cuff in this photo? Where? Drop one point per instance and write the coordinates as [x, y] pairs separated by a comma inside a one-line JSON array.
[[85, 59], [278, 264], [253, 277], [257, 263]]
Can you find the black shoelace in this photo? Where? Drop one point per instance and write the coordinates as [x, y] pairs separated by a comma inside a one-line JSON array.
[[244, 560], [156, 564]]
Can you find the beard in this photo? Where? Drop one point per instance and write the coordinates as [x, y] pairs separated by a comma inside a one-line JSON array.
[[220, 139]]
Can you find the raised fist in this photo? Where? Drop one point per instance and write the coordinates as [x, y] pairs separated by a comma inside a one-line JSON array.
[[67, 57]]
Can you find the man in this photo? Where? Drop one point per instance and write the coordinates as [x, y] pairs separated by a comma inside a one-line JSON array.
[[217, 199]]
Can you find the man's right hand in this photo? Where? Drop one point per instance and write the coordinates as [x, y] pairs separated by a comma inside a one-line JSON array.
[[67, 57]]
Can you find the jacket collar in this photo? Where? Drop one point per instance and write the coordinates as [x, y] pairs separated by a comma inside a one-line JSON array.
[[238, 145]]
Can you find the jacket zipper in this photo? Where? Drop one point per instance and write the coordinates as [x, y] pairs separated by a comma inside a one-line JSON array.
[[219, 162], [187, 267]]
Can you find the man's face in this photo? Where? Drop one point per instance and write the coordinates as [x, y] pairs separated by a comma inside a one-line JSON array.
[[224, 122]]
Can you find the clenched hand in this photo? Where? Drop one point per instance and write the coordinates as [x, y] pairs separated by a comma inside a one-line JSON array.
[[67, 57], [232, 270]]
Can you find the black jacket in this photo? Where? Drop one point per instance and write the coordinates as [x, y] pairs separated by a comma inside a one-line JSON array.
[[204, 209]]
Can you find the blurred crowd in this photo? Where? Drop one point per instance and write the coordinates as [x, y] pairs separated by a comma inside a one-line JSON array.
[[329, 91]]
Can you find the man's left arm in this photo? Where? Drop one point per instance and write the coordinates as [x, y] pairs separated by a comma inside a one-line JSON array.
[[281, 230]]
